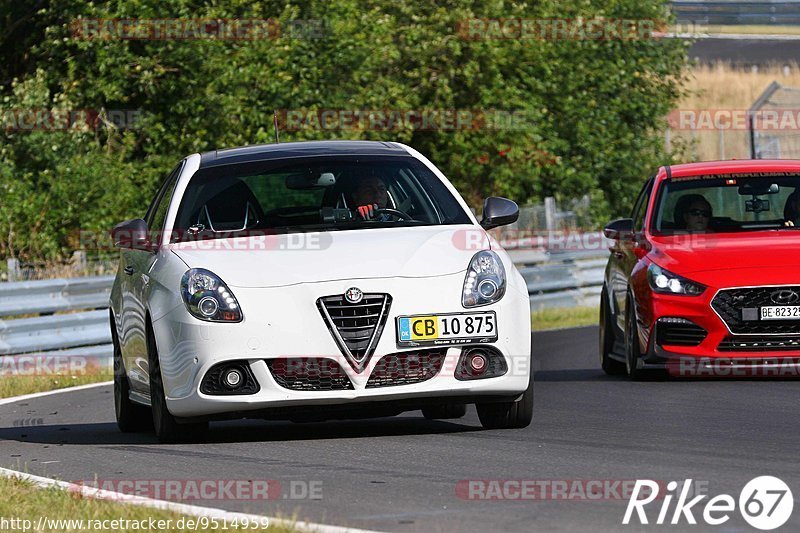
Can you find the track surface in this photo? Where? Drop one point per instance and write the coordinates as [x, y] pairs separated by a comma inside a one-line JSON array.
[[745, 52], [400, 474]]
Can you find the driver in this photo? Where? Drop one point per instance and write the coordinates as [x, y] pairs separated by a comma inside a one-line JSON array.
[[370, 194], [693, 212]]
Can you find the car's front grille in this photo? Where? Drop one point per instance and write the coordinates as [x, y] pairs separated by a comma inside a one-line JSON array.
[[406, 368], [674, 331], [739, 309], [356, 327], [768, 343], [309, 374]]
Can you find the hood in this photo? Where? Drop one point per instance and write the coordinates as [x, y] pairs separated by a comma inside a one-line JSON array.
[[280, 260], [690, 254]]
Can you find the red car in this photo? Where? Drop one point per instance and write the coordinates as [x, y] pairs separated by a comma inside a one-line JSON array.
[[704, 277]]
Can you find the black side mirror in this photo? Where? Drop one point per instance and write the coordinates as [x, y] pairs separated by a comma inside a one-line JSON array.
[[132, 234], [619, 229], [498, 212]]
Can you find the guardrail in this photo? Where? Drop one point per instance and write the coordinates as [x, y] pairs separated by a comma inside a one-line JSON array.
[[781, 12], [555, 278]]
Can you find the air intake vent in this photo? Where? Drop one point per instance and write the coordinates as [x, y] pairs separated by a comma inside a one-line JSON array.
[[679, 332], [356, 327], [309, 374], [406, 368], [761, 343]]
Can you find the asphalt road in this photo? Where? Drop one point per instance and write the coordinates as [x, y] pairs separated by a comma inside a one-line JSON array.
[[745, 52], [401, 474]]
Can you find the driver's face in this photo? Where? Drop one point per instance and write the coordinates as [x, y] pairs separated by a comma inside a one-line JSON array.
[[371, 190], [697, 216]]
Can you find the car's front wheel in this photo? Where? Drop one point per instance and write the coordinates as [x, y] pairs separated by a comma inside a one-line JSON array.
[[508, 415], [167, 427], [610, 366], [632, 350], [131, 417]]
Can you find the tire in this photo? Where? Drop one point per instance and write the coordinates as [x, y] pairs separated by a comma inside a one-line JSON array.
[[167, 428], [610, 366], [446, 411], [508, 415], [131, 417], [632, 351]]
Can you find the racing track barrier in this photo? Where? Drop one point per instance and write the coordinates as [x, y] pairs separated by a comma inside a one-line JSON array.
[[70, 317]]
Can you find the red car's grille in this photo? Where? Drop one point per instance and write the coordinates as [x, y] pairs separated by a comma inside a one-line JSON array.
[[739, 309]]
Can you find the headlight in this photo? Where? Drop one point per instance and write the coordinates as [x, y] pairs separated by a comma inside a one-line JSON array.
[[208, 298], [665, 282], [485, 282]]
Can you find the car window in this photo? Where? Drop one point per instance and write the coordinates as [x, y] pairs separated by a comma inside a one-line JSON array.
[[315, 194], [729, 203], [148, 216], [640, 207], [158, 211]]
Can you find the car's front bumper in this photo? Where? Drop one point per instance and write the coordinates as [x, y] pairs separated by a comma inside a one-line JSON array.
[[284, 322], [707, 359]]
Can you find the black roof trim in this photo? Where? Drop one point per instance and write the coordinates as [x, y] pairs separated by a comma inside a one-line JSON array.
[[266, 152]]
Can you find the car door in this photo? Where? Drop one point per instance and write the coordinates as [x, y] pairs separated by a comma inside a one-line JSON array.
[[624, 255], [137, 267]]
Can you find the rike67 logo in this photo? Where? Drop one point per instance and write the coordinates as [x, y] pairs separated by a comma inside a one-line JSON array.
[[765, 503]]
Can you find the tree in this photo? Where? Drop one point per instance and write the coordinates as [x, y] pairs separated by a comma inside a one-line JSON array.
[[581, 116]]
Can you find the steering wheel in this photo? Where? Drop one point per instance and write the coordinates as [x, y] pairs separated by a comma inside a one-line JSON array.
[[393, 212]]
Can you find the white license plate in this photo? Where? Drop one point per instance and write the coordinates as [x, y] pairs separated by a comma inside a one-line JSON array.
[[449, 328], [780, 312]]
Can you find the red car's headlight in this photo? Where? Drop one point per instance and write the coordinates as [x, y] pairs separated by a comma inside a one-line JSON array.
[[665, 282]]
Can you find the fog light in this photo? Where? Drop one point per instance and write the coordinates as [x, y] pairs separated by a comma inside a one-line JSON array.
[[232, 378], [208, 306], [477, 362]]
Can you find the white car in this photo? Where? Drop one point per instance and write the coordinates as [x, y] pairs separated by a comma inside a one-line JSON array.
[[313, 281]]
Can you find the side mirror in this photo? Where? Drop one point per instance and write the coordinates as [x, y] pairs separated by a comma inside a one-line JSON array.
[[619, 229], [498, 212], [132, 234]]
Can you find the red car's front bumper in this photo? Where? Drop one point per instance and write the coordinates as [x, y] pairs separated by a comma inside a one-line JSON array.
[[687, 336]]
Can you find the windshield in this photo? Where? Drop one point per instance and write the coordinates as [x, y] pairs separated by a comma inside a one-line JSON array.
[[728, 204], [314, 194]]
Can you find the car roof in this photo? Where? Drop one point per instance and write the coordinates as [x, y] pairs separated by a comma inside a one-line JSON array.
[[713, 168], [265, 152]]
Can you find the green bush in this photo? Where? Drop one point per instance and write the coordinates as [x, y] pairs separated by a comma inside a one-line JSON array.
[[594, 109]]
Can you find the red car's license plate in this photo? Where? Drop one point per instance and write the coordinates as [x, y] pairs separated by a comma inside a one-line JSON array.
[[780, 312]]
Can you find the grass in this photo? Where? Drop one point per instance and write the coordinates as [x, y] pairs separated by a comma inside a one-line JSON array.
[[564, 318], [723, 87], [747, 29], [19, 385], [26, 501]]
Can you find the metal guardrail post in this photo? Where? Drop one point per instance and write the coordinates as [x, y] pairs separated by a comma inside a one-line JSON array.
[[13, 270]]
